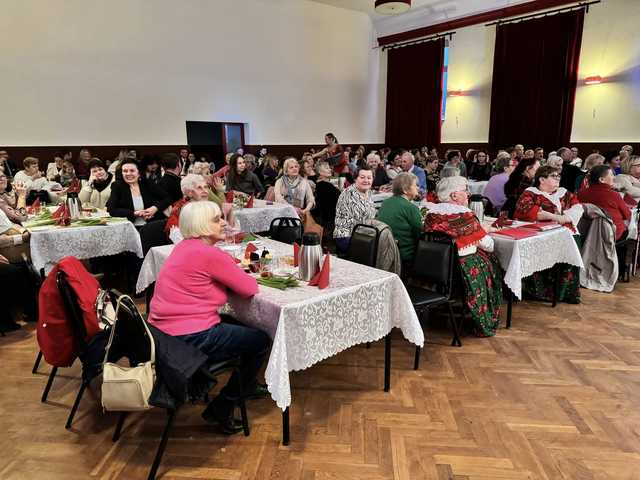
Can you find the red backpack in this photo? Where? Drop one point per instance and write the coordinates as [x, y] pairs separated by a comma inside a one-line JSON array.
[[55, 331]]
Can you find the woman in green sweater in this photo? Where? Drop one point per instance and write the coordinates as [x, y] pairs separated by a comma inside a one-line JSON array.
[[403, 217]]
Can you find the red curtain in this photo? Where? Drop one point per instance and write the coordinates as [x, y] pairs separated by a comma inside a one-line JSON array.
[[414, 94], [535, 71]]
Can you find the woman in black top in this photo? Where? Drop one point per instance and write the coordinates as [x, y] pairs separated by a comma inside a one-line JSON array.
[[324, 210], [480, 169], [134, 198], [520, 179], [242, 180]]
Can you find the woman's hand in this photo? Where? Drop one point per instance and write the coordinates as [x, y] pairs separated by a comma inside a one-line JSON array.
[[20, 189], [562, 219], [4, 260], [149, 213], [217, 184]]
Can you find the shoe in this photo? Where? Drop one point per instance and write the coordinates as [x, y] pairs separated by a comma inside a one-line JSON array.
[[214, 414], [259, 391]]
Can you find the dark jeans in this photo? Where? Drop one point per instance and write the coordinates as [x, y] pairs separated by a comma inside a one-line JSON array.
[[224, 341]]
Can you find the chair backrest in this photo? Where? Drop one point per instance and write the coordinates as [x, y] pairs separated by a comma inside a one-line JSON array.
[[363, 246], [434, 262], [73, 311], [286, 230], [152, 235]]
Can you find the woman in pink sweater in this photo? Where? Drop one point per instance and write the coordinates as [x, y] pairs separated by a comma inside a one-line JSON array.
[[191, 288]]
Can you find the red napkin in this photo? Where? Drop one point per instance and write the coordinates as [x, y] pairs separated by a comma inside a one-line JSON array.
[[249, 203], [542, 226], [36, 205], [296, 253], [65, 217], [517, 233], [59, 212], [250, 248], [321, 279], [229, 197], [74, 186]]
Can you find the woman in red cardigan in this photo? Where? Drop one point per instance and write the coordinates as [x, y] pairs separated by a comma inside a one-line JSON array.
[[547, 201]]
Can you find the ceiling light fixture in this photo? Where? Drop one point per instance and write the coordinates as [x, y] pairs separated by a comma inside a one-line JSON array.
[[392, 7], [593, 80]]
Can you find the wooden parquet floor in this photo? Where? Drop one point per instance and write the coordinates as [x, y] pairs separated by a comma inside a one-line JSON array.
[[555, 397]]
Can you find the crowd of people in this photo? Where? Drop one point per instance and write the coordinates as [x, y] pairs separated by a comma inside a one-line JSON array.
[[331, 191]]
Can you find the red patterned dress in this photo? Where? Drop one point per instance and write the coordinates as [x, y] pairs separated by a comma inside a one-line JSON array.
[[480, 269], [540, 284]]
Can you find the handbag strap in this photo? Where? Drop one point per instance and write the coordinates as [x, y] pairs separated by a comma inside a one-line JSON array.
[[113, 329]]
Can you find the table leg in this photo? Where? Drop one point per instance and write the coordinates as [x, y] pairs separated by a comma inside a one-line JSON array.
[[387, 362], [509, 307], [285, 427]]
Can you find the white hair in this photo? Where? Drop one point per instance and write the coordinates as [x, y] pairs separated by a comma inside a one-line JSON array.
[[373, 155], [196, 217], [189, 182], [449, 185], [555, 161], [199, 168]]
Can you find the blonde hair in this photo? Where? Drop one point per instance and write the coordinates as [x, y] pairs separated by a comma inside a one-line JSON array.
[[28, 161], [199, 168], [196, 217], [625, 165], [287, 163], [592, 160]]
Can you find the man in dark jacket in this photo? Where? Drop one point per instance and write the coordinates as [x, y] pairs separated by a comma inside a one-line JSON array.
[[170, 181], [570, 172]]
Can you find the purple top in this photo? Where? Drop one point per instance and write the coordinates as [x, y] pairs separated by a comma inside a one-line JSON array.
[[494, 190]]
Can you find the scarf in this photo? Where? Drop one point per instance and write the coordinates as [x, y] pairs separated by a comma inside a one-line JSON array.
[[456, 221], [100, 186], [292, 194]]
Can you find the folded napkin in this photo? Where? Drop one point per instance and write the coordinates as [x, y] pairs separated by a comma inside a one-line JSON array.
[[59, 211], [249, 203], [229, 197], [321, 279], [35, 205], [296, 253], [542, 226], [249, 250]]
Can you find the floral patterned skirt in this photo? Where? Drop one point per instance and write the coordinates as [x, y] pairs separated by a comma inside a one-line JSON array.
[[539, 286], [483, 287]]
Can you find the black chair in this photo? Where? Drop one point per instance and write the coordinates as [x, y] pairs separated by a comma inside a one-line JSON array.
[[129, 316], [489, 209], [91, 353], [434, 263], [152, 235], [286, 230], [363, 246]]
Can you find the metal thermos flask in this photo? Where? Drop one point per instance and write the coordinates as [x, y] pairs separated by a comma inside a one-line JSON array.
[[310, 256]]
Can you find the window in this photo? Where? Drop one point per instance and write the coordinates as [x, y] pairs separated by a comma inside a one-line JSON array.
[[445, 78]]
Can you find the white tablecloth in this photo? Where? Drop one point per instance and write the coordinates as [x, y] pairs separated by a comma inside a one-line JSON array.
[[48, 247], [521, 258], [379, 197], [361, 304], [259, 218], [477, 187]]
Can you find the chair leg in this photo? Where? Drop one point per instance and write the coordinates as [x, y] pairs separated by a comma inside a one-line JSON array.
[[34, 370], [76, 404], [119, 425], [455, 342], [416, 359], [52, 375], [387, 362], [163, 445]]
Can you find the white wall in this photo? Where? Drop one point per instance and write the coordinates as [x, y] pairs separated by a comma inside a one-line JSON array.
[[609, 112], [109, 72], [470, 70]]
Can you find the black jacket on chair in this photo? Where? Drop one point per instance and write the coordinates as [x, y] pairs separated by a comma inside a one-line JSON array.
[[120, 203]]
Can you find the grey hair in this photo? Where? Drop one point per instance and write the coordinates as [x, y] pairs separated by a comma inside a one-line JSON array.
[[592, 160], [555, 161], [320, 165], [198, 168], [449, 185], [502, 154], [449, 171], [403, 182], [189, 182], [372, 155]]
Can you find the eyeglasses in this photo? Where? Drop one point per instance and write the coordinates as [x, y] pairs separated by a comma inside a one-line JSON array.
[[555, 176]]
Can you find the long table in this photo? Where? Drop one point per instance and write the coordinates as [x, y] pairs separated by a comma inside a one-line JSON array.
[[307, 325]]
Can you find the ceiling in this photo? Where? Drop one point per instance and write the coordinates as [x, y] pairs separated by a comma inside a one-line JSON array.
[[422, 13]]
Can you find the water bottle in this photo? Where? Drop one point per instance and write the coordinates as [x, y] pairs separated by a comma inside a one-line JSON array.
[[310, 256], [477, 206]]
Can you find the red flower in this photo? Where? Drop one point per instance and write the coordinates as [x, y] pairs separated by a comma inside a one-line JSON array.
[[474, 271]]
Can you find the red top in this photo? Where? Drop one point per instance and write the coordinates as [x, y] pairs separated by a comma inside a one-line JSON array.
[[530, 203], [603, 196]]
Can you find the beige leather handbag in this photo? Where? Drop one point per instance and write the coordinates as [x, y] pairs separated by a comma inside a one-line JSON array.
[[127, 388]]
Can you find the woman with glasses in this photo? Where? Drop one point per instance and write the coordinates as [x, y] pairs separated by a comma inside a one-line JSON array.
[[546, 200], [481, 272], [628, 181]]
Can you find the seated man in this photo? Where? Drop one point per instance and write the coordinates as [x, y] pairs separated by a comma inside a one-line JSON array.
[[194, 188]]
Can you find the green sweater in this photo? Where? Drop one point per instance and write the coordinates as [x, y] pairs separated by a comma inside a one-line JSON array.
[[403, 217]]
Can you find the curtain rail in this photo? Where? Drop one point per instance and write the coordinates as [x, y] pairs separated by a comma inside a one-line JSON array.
[[419, 40], [584, 5]]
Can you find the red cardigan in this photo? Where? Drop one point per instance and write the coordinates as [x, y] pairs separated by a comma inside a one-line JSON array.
[[603, 196]]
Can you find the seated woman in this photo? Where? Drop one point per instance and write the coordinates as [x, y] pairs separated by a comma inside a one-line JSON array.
[[547, 201], [380, 178], [97, 189], [240, 179], [194, 188], [68, 175], [188, 296], [403, 217], [600, 193], [291, 188], [324, 210], [134, 199], [480, 168], [520, 179], [354, 206], [215, 185], [31, 177], [308, 170], [628, 181], [494, 190], [13, 200], [55, 168], [270, 170], [481, 272]]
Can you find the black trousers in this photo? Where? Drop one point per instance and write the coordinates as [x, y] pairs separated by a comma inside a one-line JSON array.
[[17, 290]]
